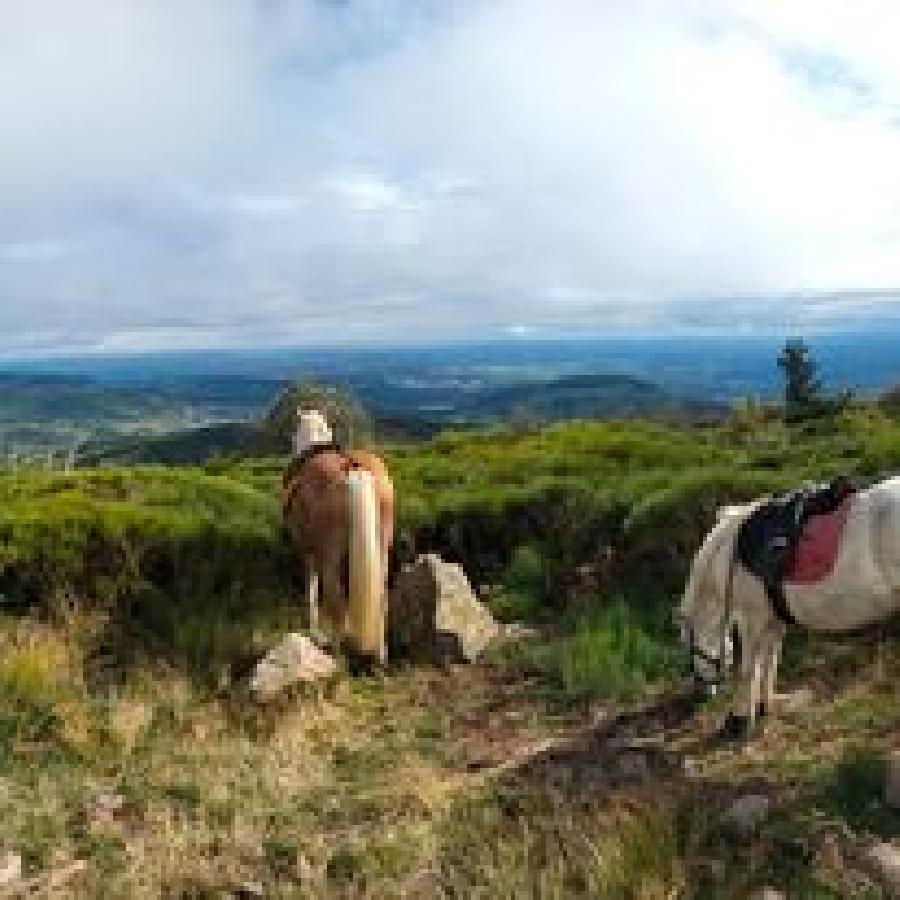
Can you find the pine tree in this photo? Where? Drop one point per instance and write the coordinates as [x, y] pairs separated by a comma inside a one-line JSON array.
[[802, 388]]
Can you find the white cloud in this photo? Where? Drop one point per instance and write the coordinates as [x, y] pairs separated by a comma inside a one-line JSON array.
[[229, 171]]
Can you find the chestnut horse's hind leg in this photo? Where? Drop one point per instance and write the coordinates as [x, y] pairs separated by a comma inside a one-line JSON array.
[[334, 601], [312, 596]]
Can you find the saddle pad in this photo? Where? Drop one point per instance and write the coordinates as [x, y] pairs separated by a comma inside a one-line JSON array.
[[817, 548]]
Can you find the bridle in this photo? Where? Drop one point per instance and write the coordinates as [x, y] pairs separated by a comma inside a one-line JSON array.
[[698, 654]]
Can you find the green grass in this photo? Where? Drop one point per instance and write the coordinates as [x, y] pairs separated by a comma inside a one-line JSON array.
[[134, 598], [195, 558], [854, 791], [612, 653]]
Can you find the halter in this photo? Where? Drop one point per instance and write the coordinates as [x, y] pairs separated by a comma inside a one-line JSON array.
[[698, 653]]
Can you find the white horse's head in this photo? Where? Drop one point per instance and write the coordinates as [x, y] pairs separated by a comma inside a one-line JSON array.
[[312, 429], [702, 615]]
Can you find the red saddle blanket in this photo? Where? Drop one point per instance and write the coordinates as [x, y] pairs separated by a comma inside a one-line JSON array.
[[817, 549]]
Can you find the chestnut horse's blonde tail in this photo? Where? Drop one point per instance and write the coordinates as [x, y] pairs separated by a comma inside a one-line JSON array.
[[367, 578]]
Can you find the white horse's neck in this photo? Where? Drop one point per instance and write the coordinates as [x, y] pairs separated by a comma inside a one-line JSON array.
[[703, 587]]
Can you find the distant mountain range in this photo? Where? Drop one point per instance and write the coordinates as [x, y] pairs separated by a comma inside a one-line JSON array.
[[185, 406], [587, 395], [583, 396]]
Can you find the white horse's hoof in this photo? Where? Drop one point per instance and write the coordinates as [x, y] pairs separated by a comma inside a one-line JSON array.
[[735, 729]]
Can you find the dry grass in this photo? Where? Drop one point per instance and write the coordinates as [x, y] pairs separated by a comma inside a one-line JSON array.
[[459, 783]]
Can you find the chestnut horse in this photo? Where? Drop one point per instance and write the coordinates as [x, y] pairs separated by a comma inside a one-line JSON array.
[[339, 510]]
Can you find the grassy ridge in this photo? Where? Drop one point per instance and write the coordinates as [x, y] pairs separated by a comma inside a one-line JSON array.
[[628, 499], [196, 556]]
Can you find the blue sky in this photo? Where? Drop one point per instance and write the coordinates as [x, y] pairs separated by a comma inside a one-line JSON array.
[[201, 173]]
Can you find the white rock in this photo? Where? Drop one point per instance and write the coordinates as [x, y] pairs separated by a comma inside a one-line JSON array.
[[767, 893], [795, 701], [884, 860], [105, 806], [746, 815], [296, 659], [892, 780], [10, 867], [434, 614]]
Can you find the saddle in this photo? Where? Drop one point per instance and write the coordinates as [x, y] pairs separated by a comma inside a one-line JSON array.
[[809, 519]]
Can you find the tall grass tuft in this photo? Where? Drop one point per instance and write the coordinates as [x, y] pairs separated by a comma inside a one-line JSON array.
[[614, 652]]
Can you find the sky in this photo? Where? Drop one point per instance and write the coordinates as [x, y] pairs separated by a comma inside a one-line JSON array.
[[205, 173]]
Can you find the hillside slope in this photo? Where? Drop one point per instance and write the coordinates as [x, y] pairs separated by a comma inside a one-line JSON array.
[[569, 764]]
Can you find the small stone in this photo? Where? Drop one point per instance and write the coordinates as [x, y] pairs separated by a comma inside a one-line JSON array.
[[633, 766], [296, 659], [10, 867], [105, 806], [767, 893], [305, 871], [884, 862], [747, 814], [830, 856], [892, 780], [795, 701]]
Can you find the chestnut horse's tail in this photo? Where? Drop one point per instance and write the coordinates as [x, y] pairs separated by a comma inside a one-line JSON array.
[[367, 578]]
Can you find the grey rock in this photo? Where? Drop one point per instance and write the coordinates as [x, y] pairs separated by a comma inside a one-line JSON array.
[[434, 614], [795, 701], [884, 862], [10, 868], [104, 807], [892, 780], [295, 660], [633, 767], [747, 814]]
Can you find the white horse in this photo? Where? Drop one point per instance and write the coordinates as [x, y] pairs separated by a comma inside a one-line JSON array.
[[723, 601]]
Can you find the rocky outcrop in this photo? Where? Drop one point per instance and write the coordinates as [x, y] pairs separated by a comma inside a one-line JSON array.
[[295, 660], [435, 616]]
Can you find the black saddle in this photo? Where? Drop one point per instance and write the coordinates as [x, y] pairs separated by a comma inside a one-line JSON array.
[[768, 538]]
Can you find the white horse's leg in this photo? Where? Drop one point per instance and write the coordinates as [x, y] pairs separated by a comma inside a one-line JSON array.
[[772, 656], [748, 692], [749, 687]]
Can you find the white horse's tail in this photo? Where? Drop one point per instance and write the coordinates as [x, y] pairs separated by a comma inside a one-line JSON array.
[[367, 581]]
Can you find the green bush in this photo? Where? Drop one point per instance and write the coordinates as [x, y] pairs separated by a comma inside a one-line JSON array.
[[555, 517]]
